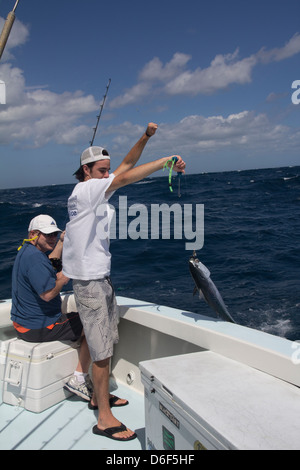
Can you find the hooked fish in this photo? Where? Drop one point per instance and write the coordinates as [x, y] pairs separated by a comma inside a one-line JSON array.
[[206, 287]]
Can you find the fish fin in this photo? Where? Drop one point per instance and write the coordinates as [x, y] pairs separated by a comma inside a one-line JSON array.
[[201, 295]]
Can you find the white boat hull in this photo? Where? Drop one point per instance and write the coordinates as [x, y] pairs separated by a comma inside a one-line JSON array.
[[151, 333]]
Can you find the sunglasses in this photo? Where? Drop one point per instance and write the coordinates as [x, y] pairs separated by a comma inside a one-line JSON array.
[[50, 235]]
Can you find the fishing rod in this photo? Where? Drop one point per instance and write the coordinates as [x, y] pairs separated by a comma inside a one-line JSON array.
[[99, 115], [7, 28]]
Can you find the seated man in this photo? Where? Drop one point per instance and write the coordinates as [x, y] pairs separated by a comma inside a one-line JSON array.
[[36, 303]]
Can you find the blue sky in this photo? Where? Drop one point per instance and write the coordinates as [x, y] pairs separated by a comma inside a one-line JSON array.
[[215, 76]]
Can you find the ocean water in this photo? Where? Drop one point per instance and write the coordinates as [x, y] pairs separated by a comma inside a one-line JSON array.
[[251, 243]]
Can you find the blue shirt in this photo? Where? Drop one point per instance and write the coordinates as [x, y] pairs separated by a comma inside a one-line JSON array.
[[33, 275]]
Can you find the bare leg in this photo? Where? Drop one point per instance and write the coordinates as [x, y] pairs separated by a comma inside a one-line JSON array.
[[84, 359], [101, 397]]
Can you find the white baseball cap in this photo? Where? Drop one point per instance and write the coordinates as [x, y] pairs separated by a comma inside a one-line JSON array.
[[93, 154], [43, 223]]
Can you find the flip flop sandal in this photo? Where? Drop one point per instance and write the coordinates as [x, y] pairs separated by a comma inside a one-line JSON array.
[[112, 401], [108, 432]]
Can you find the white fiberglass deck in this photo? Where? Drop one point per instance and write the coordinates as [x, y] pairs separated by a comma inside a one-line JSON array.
[[147, 331], [68, 425]]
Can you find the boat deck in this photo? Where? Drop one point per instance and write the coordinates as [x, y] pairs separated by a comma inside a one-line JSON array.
[[254, 370], [68, 425]]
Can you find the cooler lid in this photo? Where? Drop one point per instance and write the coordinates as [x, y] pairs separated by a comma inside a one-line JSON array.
[[19, 349], [250, 409]]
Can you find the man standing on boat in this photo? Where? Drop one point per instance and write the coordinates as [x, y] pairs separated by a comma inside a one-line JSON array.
[[87, 261]]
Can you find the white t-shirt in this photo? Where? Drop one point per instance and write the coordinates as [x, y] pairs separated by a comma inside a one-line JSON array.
[[86, 253]]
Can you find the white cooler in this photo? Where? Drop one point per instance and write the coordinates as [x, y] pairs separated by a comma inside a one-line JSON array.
[[205, 401], [33, 374]]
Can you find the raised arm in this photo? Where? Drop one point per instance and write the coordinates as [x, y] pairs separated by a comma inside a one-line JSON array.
[[142, 171], [134, 154]]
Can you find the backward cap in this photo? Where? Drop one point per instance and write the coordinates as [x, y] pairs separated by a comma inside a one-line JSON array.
[[93, 154]]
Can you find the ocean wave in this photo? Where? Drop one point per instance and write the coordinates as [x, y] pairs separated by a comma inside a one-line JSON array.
[[280, 327], [252, 221], [144, 182]]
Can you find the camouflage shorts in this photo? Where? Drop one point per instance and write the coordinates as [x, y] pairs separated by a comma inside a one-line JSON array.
[[97, 308]]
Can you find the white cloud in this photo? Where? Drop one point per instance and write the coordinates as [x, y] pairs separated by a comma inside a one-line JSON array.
[[292, 47], [224, 70], [246, 131], [15, 83], [195, 137], [174, 78], [131, 96], [155, 70], [35, 116], [40, 116]]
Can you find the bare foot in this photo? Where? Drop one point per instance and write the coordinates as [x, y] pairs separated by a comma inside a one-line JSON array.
[[114, 430], [115, 402]]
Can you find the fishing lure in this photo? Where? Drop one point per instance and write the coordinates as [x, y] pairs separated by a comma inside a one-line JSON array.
[[173, 160]]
